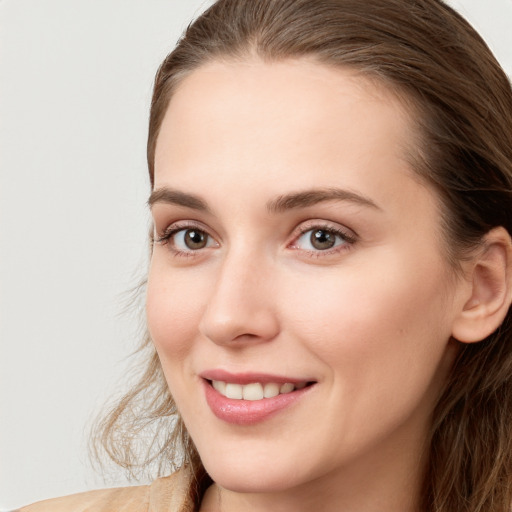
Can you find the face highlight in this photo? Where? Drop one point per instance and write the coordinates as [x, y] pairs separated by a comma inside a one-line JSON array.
[[299, 295]]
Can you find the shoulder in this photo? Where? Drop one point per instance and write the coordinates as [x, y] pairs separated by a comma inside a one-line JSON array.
[[122, 499], [167, 494]]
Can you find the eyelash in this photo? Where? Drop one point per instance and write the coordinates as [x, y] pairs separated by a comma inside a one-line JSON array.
[[347, 239], [166, 237]]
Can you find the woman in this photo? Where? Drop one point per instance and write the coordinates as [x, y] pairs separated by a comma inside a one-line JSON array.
[[330, 280]]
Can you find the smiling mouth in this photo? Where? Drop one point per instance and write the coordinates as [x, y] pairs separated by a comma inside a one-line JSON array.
[[249, 399], [256, 390]]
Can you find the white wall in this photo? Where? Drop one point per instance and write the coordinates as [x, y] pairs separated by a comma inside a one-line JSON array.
[[75, 81]]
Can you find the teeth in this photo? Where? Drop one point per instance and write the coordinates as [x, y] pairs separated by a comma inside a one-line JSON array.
[[219, 386], [271, 390], [252, 391], [255, 390], [234, 391], [287, 388]]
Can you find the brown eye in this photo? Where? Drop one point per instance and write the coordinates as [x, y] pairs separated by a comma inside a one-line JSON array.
[[195, 239], [186, 240], [321, 239]]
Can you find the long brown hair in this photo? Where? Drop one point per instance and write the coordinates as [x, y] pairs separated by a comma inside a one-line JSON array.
[[462, 102]]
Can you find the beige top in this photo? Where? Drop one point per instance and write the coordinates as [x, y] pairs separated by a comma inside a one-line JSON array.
[[168, 494]]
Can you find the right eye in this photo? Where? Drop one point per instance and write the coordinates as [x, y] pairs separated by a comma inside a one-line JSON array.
[[191, 239], [186, 240]]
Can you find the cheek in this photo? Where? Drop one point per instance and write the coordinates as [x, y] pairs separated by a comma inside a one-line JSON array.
[[173, 310], [386, 325], [381, 340]]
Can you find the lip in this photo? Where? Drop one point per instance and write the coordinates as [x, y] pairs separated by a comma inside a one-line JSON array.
[[249, 377], [248, 412]]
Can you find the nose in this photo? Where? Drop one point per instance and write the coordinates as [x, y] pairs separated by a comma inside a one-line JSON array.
[[241, 306]]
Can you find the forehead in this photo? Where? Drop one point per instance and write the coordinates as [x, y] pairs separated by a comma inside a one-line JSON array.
[[282, 103], [291, 122]]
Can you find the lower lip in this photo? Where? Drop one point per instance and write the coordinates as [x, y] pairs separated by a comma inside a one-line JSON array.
[[249, 412]]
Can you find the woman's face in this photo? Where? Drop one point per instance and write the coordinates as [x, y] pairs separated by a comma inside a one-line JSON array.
[[294, 244]]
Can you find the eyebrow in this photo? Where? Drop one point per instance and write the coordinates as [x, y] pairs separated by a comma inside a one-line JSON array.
[[282, 203], [311, 197], [172, 196]]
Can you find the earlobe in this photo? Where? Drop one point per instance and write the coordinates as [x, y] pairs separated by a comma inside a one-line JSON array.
[[490, 294]]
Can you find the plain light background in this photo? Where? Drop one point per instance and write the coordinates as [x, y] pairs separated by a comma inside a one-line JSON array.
[[75, 84]]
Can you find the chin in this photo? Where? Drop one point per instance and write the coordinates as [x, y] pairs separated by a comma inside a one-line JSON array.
[[252, 476], [250, 484]]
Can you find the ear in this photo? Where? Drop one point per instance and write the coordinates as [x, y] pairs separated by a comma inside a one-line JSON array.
[[489, 295]]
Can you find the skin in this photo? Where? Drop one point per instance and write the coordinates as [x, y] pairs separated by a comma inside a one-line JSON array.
[[370, 320]]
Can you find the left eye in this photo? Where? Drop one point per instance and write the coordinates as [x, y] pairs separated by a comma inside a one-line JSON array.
[[320, 239]]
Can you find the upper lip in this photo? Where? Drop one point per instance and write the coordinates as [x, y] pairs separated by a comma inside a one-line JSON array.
[[249, 377]]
